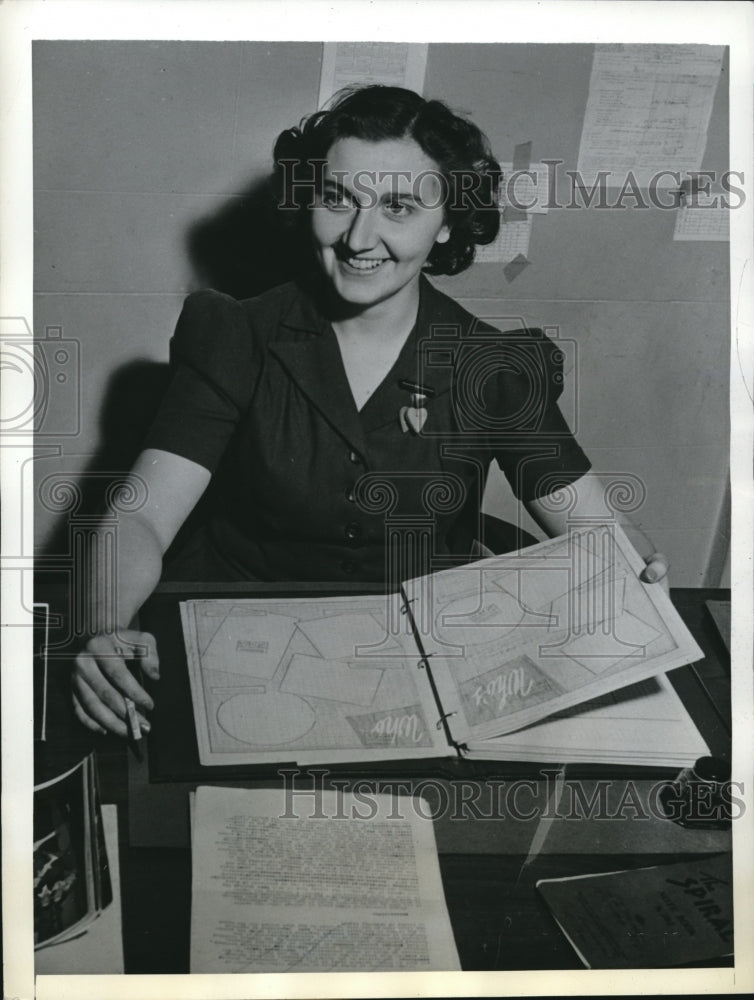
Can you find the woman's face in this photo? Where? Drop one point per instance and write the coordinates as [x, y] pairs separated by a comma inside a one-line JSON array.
[[377, 217]]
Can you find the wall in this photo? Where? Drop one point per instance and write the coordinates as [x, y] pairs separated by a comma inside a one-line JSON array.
[[135, 141]]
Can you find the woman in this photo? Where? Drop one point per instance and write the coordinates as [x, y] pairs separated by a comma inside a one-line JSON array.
[[297, 402]]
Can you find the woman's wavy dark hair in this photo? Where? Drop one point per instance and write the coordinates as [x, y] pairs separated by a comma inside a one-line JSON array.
[[460, 150]]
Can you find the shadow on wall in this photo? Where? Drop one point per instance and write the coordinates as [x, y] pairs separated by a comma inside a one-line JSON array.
[[131, 398], [242, 249], [245, 248]]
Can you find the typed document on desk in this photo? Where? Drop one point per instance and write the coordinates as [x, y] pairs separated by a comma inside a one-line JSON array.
[[341, 883]]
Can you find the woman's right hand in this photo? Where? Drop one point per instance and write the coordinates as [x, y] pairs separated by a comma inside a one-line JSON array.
[[101, 680]]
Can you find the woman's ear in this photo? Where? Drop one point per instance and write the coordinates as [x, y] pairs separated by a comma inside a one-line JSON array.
[[444, 235]]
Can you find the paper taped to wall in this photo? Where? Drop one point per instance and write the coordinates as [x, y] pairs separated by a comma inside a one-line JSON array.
[[511, 241], [397, 64], [523, 192], [647, 111], [525, 188]]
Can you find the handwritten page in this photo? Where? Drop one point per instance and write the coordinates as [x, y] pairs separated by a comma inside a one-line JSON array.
[[336, 885], [647, 918], [648, 111], [319, 681], [516, 638], [396, 64]]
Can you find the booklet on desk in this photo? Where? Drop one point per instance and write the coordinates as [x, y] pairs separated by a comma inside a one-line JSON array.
[[649, 917], [489, 659]]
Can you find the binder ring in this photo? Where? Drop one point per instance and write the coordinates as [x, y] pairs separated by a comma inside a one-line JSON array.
[[443, 717]]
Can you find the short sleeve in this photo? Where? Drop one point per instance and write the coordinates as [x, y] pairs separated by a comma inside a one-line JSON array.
[[529, 435], [215, 367]]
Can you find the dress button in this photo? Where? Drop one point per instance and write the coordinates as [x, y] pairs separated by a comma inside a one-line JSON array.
[[350, 495], [352, 532], [354, 457], [349, 566]]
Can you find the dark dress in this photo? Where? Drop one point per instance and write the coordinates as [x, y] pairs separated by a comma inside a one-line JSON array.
[[305, 486]]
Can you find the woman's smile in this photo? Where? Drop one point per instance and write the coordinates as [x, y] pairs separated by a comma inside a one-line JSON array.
[[362, 267], [376, 219], [365, 265]]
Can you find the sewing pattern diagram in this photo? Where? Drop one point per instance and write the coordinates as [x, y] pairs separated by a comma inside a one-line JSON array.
[[517, 638], [316, 680]]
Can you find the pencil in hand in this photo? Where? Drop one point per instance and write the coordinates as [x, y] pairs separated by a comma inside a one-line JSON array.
[[135, 725], [132, 720], [134, 728]]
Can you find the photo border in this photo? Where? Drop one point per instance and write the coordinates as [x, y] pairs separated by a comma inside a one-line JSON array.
[[562, 21]]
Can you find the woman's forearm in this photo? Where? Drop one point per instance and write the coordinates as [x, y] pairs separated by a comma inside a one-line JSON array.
[[126, 563], [591, 500], [124, 569]]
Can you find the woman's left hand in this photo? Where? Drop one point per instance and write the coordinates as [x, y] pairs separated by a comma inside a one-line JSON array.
[[656, 571]]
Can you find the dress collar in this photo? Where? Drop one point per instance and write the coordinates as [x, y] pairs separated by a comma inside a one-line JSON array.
[[307, 347], [423, 358]]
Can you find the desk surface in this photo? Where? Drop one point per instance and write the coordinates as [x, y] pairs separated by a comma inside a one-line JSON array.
[[499, 920]]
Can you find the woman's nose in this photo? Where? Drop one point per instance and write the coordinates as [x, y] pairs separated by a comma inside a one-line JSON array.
[[361, 234]]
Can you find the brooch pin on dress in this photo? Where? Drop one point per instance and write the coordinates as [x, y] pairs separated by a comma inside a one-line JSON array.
[[412, 418]]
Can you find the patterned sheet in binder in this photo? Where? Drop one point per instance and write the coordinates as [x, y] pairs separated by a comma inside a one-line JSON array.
[[555, 653]]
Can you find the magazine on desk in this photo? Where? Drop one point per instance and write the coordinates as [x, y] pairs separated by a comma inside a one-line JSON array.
[[557, 652], [72, 884]]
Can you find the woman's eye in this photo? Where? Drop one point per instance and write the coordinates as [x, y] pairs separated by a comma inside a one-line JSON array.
[[397, 208], [335, 202]]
